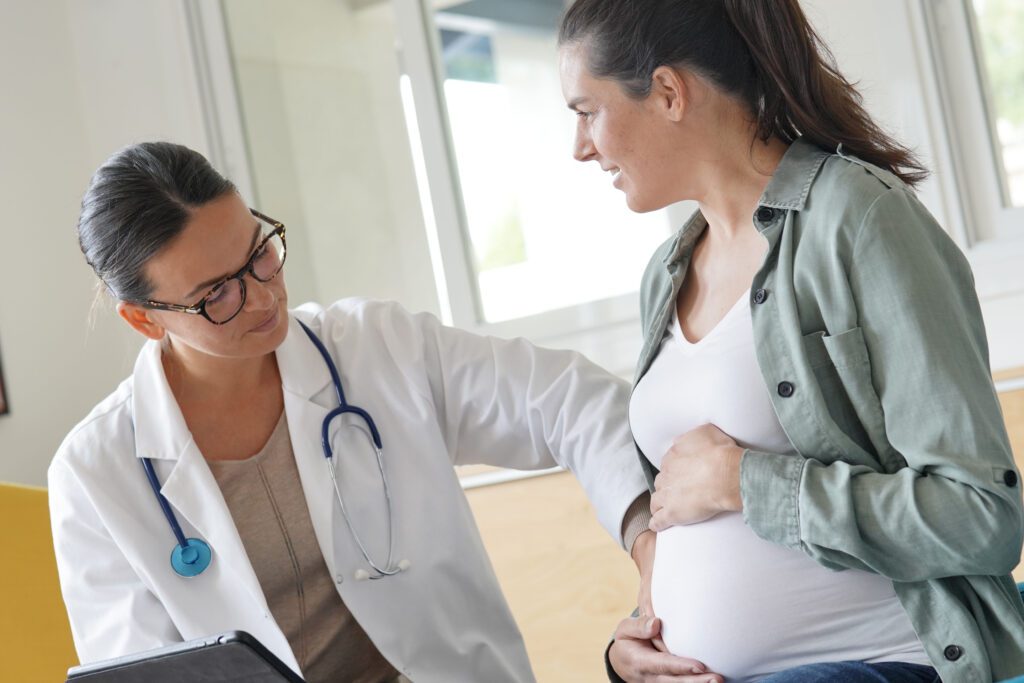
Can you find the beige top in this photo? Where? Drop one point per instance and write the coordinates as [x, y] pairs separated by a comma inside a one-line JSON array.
[[265, 497]]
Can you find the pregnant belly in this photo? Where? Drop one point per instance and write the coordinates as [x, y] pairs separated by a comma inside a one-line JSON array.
[[746, 607]]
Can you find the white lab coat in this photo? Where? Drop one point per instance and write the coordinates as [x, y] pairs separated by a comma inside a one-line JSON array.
[[439, 396]]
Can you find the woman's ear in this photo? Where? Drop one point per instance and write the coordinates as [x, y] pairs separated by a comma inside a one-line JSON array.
[[138, 318], [671, 92]]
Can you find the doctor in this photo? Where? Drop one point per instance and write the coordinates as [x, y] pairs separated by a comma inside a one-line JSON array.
[[200, 496]]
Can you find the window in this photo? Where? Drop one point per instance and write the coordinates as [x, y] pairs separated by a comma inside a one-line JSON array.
[[437, 128], [979, 60], [531, 242], [317, 92], [1000, 42], [545, 231]]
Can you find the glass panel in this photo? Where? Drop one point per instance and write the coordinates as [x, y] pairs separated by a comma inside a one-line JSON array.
[[547, 232], [1001, 33], [318, 85]]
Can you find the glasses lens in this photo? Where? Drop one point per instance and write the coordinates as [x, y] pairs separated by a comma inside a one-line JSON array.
[[269, 260], [225, 301]]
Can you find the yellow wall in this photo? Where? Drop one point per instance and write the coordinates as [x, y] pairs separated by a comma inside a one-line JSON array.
[[34, 629]]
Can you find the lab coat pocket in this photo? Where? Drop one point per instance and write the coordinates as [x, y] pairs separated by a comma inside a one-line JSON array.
[[852, 364]]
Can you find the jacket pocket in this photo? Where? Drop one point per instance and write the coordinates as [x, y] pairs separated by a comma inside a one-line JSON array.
[[838, 400], [849, 357]]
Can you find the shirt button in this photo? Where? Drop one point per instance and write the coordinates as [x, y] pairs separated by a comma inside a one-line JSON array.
[[760, 296], [953, 652], [786, 389], [765, 214], [338, 579], [1010, 478]]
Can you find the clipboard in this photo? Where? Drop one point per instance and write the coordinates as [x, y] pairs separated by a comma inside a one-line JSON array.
[[233, 657]]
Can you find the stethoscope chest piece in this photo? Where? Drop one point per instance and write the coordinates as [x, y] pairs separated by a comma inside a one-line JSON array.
[[192, 559]]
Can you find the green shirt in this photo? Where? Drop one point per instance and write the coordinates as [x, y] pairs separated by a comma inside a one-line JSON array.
[[870, 340]]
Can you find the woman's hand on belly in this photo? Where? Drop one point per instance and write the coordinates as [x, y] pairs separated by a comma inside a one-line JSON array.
[[699, 478], [635, 659]]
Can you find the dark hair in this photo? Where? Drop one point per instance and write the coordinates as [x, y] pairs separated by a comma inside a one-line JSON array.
[[763, 52], [138, 201]]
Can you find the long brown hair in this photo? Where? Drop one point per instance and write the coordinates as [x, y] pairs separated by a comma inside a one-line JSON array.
[[764, 52]]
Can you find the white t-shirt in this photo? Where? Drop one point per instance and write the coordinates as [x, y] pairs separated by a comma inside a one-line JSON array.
[[743, 606]]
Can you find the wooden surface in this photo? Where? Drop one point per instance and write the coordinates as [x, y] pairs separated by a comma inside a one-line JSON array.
[[1012, 373], [567, 581], [464, 471]]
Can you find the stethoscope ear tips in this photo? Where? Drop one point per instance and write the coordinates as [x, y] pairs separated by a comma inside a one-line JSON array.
[[362, 575], [404, 564]]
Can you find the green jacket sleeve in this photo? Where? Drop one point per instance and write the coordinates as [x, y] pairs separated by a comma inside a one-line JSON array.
[[955, 508]]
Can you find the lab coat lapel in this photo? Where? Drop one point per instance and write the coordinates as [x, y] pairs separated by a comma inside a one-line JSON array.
[[161, 434], [191, 490], [304, 375], [160, 429]]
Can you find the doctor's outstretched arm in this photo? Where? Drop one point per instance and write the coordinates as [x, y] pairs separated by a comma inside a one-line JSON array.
[[512, 404]]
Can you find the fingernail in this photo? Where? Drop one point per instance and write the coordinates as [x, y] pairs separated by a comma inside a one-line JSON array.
[[696, 670], [650, 624]]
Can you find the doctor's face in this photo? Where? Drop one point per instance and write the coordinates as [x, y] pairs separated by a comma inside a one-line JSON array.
[[219, 239]]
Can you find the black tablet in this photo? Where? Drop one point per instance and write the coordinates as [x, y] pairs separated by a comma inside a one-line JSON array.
[[226, 658]]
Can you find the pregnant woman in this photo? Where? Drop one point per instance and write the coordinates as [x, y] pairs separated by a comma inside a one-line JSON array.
[[835, 495]]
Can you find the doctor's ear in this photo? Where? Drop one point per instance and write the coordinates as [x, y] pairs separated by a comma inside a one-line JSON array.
[[138, 318]]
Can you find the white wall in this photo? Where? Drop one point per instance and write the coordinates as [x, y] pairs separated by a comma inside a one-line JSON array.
[[79, 80]]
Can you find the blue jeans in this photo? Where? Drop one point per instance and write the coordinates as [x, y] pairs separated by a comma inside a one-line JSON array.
[[856, 672]]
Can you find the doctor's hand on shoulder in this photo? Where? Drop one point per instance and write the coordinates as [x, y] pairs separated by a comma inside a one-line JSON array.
[[699, 478]]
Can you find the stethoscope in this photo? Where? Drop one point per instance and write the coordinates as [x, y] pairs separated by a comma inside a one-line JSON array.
[[191, 556]]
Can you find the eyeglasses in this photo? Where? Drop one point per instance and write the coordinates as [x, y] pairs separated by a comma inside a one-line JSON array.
[[226, 298]]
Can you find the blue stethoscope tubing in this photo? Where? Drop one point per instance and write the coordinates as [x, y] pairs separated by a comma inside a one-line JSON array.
[[191, 556]]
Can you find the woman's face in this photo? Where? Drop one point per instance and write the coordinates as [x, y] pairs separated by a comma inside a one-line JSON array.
[[217, 241], [626, 137]]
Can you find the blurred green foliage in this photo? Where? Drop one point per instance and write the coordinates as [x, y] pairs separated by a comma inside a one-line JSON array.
[[505, 245], [1001, 25]]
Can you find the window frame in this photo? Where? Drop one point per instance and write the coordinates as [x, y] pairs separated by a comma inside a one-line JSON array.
[[990, 232], [218, 93]]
